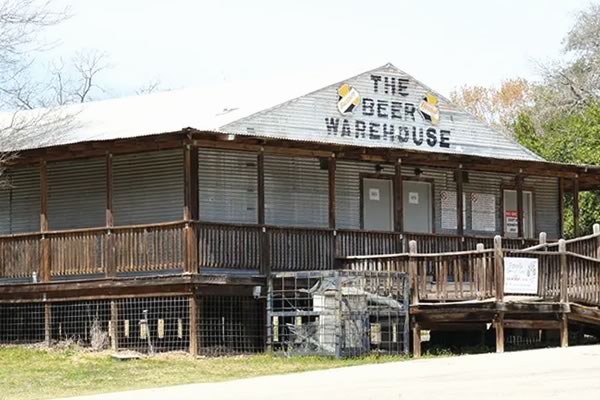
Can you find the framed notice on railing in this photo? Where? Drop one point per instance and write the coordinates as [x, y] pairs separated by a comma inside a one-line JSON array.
[[520, 275]]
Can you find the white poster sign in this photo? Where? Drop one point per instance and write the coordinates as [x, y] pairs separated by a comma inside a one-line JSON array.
[[520, 275], [483, 212], [448, 209], [413, 197], [374, 194]]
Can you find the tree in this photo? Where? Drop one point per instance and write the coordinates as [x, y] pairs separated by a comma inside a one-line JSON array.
[[497, 106], [34, 116]]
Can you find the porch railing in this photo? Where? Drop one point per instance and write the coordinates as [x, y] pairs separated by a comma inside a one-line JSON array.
[[563, 275], [194, 246]]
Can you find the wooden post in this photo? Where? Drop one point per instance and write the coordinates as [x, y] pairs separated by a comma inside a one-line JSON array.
[[596, 230], [109, 189], [45, 242], [47, 324], [265, 251], [564, 330], [416, 339], [331, 168], [398, 204], [460, 229], [190, 208], [519, 182], [193, 317], [499, 269], [562, 249], [543, 240], [499, 325], [109, 259], [481, 272], [413, 273], [114, 326], [576, 206], [561, 207], [260, 175]]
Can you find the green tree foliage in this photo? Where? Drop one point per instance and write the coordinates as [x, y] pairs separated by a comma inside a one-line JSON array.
[[572, 138]]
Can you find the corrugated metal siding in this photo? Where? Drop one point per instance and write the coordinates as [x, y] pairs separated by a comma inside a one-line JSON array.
[[148, 187], [347, 191], [76, 194], [546, 205], [486, 183], [227, 186], [4, 205], [21, 202], [306, 118], [296, 192], [442, 180]]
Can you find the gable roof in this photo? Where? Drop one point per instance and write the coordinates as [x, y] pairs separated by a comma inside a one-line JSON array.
[[384, 107]]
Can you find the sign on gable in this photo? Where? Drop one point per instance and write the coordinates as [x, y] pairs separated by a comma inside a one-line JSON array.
[[388, 111]]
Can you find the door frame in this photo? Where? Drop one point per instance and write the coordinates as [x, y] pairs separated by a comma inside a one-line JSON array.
[[431, 183], [392, 177], [525, 188], [365, 175]]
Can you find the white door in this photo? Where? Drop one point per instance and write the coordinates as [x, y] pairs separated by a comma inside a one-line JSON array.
[[378, 205], [417, 207]]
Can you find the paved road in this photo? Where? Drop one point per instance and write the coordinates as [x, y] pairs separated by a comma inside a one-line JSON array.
[[572, 373]]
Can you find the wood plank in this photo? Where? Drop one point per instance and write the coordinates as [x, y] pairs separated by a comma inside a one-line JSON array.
[[531, 324]]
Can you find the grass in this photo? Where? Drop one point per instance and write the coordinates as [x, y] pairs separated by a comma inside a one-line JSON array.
[[33, 373]]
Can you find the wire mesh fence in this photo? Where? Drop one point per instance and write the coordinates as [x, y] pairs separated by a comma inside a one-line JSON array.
[[231, 325], [224, 324], [339, 313]]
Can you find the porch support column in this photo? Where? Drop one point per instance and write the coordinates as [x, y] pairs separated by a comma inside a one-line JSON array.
[[460, 229], [109, 260], [576, 205], [398, 212], [44, 273], [264, 251], [45, 244], [190, 206], [331, 167], [561, 207], [519, 186], [190, 159], [109, 189]]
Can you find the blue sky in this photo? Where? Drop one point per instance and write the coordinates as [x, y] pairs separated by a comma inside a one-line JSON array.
[[183, 43]]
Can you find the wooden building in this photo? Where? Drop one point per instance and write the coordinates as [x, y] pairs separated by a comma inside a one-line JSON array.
[[188, 197]]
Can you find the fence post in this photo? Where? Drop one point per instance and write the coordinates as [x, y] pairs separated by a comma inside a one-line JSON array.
[[597, 234], [562, 249], [413, 273], [499, 278], [543, 239], [481, 271], [194, 310], [114, 327], [499, 268]]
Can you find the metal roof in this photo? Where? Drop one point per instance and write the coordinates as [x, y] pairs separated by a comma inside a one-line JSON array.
[[384, 108]]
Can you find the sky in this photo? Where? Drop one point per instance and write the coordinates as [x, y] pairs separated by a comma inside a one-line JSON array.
[[185, 43]]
